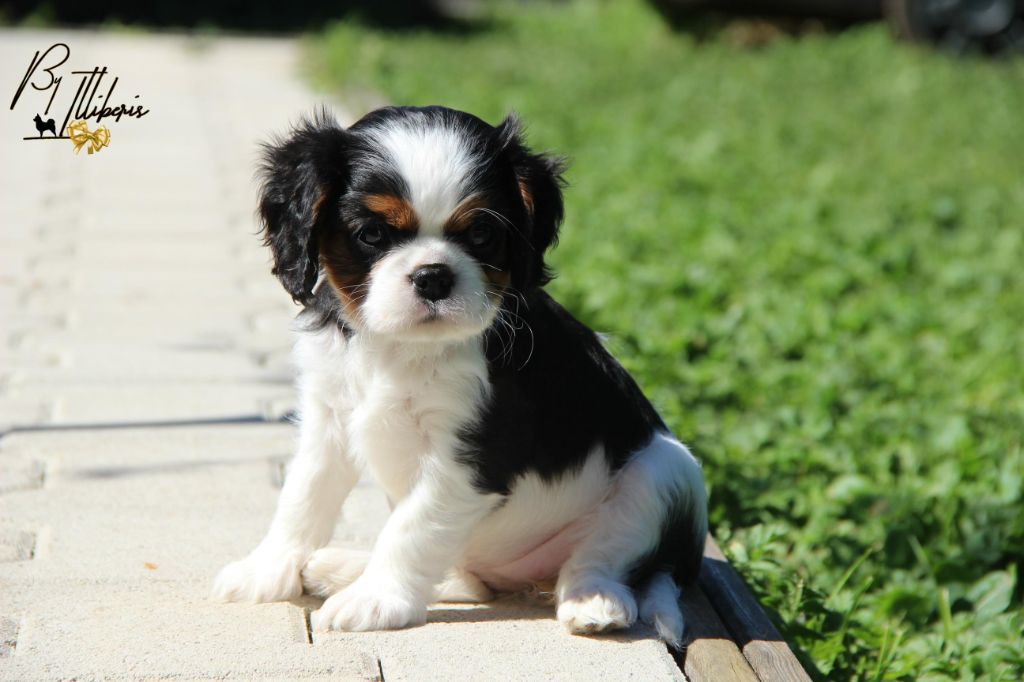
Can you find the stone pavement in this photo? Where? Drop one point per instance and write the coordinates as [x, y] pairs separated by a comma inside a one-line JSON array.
[[143, 377]]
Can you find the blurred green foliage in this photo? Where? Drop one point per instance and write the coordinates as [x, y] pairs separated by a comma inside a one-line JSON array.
[[811, 256]]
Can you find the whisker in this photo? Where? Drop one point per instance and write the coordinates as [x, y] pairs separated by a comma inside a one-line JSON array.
[[494, 213], [505, 220]]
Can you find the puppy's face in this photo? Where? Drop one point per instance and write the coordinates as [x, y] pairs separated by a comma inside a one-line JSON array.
[[421, 248], [419, 220]]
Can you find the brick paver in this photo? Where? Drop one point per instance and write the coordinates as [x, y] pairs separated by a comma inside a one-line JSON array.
[[142, 340]]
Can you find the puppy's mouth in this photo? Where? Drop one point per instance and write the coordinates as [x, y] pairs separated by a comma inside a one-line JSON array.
[[436, 313], [444, 316]]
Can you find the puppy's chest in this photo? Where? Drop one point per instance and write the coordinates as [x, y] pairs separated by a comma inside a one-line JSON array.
[[398, 409]]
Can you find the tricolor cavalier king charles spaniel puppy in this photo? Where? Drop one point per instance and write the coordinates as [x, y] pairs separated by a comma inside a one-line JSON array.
[[514, 450]]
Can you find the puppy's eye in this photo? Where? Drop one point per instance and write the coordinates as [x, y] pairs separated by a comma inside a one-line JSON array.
[[372, 235], [480, 234]]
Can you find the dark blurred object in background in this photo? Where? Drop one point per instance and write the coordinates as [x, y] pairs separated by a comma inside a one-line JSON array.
[[994, 27], [844, 10], [961, 26], [242, 15]]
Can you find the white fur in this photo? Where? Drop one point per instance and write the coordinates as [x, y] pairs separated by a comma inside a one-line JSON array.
[[318, 480], [393, 308], [436, 162], [535, 511], [439, 168], [626, 526], [597, 605], [462, 586], [659, 608], [332, 569], [392, 399], [395, 409]]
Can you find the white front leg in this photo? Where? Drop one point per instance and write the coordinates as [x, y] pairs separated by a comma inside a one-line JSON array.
[[319, 478], [423, 538]]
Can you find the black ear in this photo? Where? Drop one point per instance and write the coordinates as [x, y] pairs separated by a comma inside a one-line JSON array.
[[540, 185], [301, 175]]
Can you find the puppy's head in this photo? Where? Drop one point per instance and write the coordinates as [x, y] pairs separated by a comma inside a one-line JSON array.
[[420, 220]]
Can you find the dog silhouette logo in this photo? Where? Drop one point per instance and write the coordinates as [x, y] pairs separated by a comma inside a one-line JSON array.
[[43, 126]]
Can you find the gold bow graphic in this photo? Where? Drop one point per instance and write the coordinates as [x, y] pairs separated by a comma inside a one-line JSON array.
[[80, 136]]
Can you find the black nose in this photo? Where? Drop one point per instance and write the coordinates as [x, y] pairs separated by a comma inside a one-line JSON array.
[[433, 282]]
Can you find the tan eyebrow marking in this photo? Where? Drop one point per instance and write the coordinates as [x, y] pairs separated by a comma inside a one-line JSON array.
[[524, 191], [319, 204], [395, 210], [462, 217]]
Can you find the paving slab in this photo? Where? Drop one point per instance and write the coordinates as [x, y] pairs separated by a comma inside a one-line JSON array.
[[144, 377], [523, 642], [156, 629]]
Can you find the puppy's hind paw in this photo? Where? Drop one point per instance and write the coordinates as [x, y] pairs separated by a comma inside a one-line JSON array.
[[263, 576], [332, 569], [598, 607]]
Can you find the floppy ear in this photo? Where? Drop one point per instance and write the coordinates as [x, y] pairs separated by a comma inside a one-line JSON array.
[[300, 176], [540, 185]]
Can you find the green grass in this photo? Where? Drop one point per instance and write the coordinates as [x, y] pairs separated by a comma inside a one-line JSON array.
[[811, 256]]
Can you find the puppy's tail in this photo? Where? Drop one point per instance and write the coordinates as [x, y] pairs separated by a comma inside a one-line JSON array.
[[659, 608]]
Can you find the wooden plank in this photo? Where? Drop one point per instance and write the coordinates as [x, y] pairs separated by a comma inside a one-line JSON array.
[[710, 654], [762, 645]]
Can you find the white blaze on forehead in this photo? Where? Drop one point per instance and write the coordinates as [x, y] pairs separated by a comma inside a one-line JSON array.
[[437, 163]]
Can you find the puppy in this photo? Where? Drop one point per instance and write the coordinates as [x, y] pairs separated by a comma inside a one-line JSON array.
[[514, 450]]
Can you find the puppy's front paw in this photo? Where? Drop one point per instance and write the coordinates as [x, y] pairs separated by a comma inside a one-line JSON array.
[[597, 607], [264, 575], [368, 604]]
